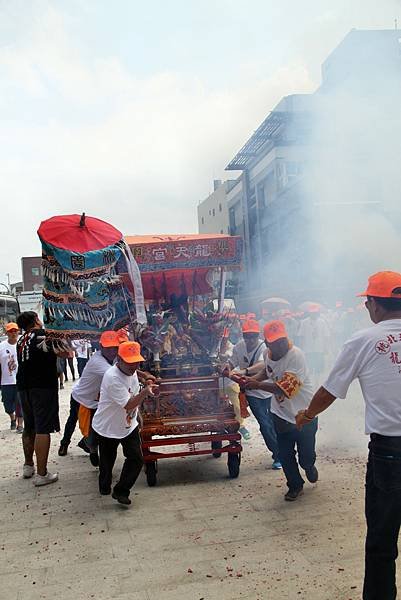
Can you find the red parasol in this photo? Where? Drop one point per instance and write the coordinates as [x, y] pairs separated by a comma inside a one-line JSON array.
[[78, 233]]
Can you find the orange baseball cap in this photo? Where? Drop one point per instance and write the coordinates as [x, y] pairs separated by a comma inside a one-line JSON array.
[[11, 326], [130, 352], [109, 339], [250, 326], [274, 330], [382, 284], [314, 308]]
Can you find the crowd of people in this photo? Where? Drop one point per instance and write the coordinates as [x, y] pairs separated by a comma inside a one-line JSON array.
[[267, 367], [109, 403]]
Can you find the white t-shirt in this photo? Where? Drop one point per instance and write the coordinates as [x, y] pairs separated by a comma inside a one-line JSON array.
[[314, 335], [81, 348], [292, 375], [373, 356], [241, 359], [86, 391], [8, 362], [111, 419]]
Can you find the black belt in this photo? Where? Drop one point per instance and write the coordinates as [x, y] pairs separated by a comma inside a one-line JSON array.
[[377, 437], [385, 444]]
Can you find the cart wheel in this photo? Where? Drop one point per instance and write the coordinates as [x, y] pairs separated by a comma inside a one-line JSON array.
[[216, 445], [233, 463], [151, 473]]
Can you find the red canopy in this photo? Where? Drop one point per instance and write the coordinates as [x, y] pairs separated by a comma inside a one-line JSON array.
[[78, 233]]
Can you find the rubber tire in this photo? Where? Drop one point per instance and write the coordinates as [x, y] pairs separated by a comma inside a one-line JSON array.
[[233, 463], [216, 445], [151, 473]]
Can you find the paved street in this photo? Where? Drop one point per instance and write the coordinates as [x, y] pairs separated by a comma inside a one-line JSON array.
[[197, 535]]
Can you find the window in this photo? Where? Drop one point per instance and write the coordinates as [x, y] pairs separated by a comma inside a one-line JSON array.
[[203, 220], [220, 207], [293, 169], [231, 215], [214, 213], [35, 271], [210, 212]]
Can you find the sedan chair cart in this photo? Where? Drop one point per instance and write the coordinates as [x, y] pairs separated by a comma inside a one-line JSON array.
[[190, 415]]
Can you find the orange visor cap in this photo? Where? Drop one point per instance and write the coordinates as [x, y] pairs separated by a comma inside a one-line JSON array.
[[130, 352], [109, 339], [382, 284], [250, 326], [274, 330], [11, 327]]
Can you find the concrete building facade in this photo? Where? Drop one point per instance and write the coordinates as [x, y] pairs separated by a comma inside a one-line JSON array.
[[213, 211], [32, 277], [290, 186]]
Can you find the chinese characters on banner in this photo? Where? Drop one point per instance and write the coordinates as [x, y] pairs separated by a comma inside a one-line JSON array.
[[188, 253]]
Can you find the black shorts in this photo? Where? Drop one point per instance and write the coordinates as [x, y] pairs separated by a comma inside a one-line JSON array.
[[40, 410], [9, 396]]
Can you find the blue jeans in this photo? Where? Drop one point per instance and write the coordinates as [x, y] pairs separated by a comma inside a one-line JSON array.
[[289, 438], [260, 408]]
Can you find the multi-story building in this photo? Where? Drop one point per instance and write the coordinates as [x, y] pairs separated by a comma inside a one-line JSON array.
[[32, 273], [213, 211], [312, 160]]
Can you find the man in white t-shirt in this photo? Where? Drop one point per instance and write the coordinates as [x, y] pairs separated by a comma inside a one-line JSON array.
[[248, 352], [373, 356], [314, 339], [116, 423], [82, 348], [286, 376], [8, 375], [86, 392]]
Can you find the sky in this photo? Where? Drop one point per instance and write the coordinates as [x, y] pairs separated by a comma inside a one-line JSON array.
[[128, 110]]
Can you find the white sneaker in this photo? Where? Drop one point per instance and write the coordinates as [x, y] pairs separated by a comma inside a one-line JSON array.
[[45, 479], [28, 471]]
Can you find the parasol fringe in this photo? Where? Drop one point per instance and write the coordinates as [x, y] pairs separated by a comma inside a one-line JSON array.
[[79, 282], [99, 317]]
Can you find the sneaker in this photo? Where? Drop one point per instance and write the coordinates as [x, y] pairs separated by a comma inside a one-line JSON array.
[[276, 466], [312, 474], [105, 492], [81, 444], [61, 386], [292, 495], [13, 425], [245, 434], [94, 458], [62, 451], [121, 499], [45, 479], [19, 429], [28, 471]]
